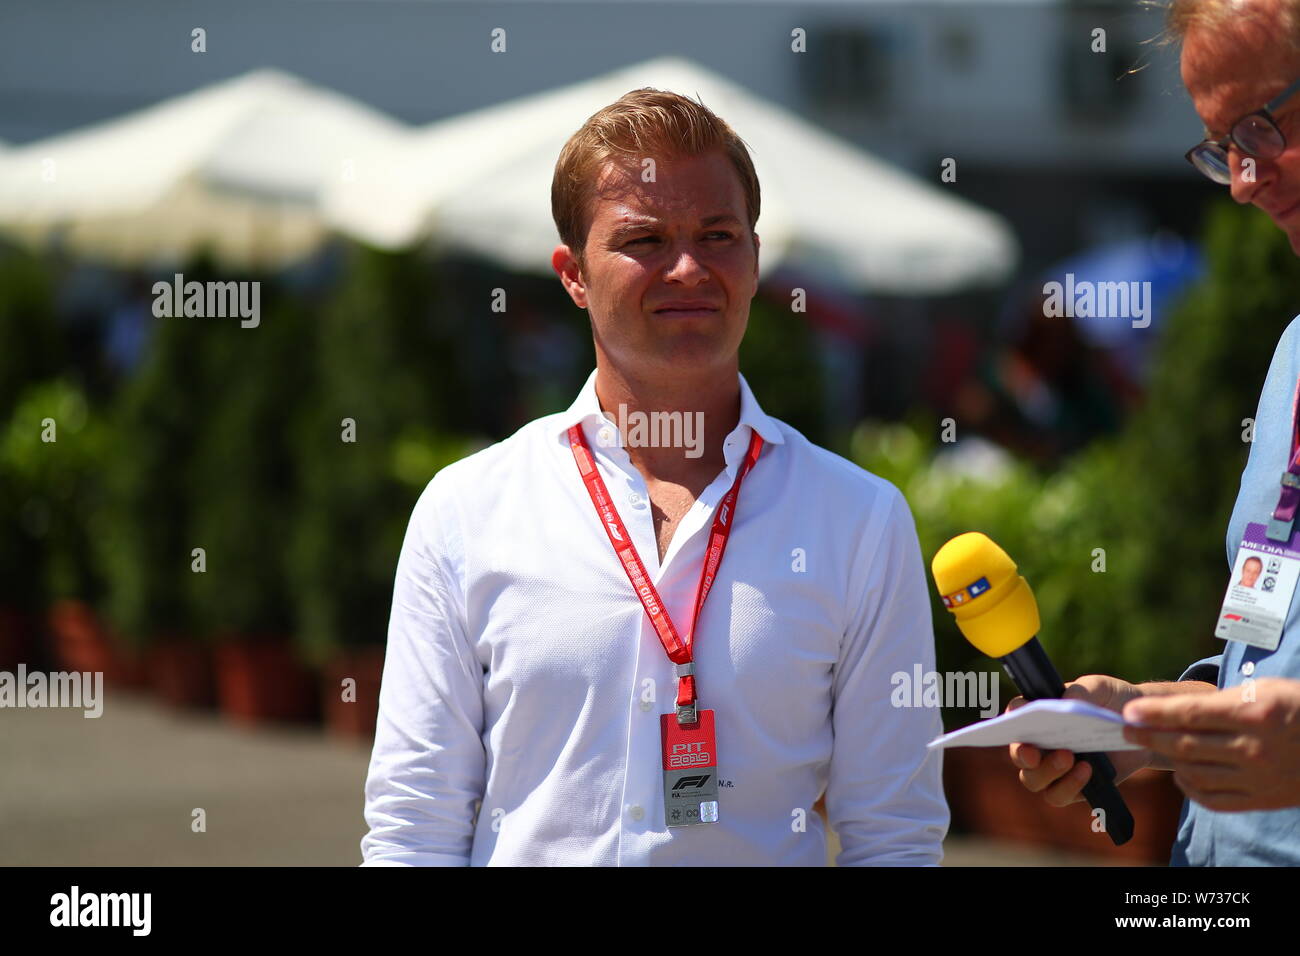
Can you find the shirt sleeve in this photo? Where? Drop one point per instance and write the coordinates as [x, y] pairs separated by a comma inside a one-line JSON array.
[[1204, 670], [428, 764], [884, 796]]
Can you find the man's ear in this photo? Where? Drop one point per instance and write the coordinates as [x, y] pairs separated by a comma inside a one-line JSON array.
[[755, 257], [569, 269]]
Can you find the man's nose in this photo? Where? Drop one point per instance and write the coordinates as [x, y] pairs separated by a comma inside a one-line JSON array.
[[684, 265], [1248, 174]]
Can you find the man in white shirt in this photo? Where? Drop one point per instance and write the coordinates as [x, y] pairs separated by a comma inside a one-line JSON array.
[[530, 712]]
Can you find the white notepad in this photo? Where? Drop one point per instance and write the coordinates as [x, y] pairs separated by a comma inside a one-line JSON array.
[[1047, 724]]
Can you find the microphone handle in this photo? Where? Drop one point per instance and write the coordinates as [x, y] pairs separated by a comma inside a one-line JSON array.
[[1032, 671]]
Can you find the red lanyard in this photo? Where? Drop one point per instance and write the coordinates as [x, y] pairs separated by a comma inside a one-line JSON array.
[[679, 651]]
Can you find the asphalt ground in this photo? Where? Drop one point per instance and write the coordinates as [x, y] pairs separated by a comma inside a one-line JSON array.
[[123, 790]]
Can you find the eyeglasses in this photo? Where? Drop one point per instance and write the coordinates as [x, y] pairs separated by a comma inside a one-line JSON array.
[[1255, 134]]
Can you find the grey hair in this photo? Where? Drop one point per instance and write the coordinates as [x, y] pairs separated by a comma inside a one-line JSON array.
[[1182, 15]]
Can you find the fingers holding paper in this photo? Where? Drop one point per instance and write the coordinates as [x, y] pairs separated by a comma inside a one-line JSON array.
[[1056, 774], [1231, 750]]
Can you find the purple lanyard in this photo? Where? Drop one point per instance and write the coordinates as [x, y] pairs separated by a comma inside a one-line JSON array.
[[1284, 515]]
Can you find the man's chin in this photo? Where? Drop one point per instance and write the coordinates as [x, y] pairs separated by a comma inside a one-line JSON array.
[[687, 354], [1293, 237]]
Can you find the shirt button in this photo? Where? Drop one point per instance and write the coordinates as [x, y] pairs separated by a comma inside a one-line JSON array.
[[637, 813], [1248, 668], [634, 498]]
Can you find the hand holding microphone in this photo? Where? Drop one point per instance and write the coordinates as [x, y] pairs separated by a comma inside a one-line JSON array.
[[996, 612], [1056, 774]]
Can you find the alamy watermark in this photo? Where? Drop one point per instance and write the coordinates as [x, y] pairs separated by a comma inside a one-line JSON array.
[[130, 910], [960, 689], [77, 689], [209, 300], [1102, 300], [657, 430]]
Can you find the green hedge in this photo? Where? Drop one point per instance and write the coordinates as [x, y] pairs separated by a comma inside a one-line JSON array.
[[366, 445], [157, 420], [30, 353], [51, 450]]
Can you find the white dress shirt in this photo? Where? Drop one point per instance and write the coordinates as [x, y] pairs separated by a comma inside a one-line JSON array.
[[523, 672]]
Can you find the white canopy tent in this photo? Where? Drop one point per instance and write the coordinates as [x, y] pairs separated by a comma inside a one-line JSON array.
[[238, 167], [402, 184], [481, 182]]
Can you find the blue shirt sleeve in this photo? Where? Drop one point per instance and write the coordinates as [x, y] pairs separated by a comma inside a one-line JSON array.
[[1205, 670]]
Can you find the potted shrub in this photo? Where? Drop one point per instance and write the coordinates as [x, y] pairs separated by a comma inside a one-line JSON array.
[[30, 347], [243, 482], [62, 481], [366, 447], [148, 536]]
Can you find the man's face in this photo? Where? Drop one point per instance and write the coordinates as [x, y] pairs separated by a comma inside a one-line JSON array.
[[1250, 573], [682, 240], [1235, 70]]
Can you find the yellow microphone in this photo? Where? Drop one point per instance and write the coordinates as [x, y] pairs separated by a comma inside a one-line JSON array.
[[993, 605], [996, 611]]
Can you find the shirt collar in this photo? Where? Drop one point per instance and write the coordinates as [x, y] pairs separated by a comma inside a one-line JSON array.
[[586, 411]]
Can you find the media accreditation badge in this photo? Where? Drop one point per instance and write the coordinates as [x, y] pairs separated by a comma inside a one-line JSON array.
[[1259, 592], [1268, 563]]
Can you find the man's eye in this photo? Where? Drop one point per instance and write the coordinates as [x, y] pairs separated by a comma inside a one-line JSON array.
[[721, 233]]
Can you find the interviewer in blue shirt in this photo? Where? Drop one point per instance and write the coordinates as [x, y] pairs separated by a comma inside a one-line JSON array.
[[1229, 729]]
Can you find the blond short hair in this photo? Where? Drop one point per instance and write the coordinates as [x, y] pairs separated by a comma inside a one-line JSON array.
[[642, 123]]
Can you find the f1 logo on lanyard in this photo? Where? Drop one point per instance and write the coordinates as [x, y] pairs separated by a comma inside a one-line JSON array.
[[690, 753]]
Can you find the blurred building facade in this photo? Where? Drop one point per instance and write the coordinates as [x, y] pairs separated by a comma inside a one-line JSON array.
[[1019, 92]]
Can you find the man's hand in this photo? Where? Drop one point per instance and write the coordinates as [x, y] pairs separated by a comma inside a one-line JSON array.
[[1234, 749], [1056, 774]]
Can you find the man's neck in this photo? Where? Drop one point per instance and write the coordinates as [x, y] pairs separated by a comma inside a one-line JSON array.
[[673, 428]]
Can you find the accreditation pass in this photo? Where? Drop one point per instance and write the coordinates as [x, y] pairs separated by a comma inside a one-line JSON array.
[[690, 757], [1259, 592]]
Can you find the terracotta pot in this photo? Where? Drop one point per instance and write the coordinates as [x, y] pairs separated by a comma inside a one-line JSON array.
[[352, 719], [16, 645], [80, 643], [986, 797], [180, 673], [261, 680], [130, 669], [83, 643]]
